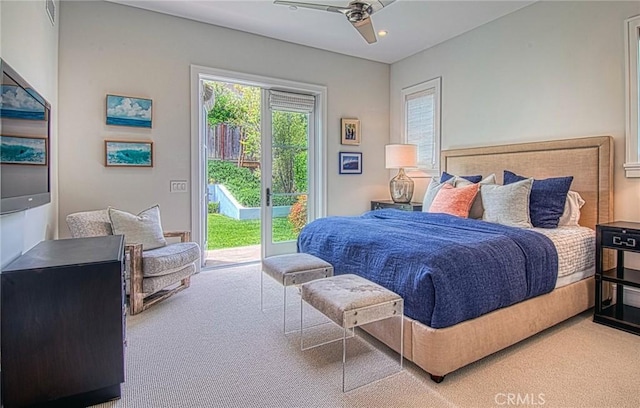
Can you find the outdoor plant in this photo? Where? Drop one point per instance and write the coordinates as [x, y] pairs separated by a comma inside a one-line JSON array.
[[214, 208], [298, 213]]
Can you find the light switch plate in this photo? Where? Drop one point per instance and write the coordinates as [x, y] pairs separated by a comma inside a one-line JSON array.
[[178, 186]]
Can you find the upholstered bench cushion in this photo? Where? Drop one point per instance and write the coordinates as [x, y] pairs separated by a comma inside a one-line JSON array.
[[155, 283], [168, 259], [292, 268], [336, 295]]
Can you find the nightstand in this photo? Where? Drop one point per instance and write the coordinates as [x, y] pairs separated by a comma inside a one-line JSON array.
[[620, 236], [382, 204]]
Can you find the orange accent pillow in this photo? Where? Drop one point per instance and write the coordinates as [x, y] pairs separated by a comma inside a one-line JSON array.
[[454, 201]]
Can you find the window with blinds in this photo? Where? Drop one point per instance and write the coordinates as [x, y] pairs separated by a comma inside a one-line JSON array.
[[421, 124], [293, 102]]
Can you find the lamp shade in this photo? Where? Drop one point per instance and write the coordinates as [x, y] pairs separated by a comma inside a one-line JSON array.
[[397, 156]]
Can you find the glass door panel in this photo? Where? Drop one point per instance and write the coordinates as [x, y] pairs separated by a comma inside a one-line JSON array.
[[289, 180]]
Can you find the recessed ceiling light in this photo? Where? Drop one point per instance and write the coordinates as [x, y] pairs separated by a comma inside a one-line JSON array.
[[382, 33]]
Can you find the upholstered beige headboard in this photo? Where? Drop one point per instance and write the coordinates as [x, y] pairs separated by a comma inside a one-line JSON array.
[[589, 160]]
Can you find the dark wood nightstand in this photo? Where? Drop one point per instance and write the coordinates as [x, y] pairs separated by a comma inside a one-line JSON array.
[[382, 204], [620, 236]]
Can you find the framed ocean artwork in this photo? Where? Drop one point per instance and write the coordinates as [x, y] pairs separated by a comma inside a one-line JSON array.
[[120, 153], [19, 103], [128, 111], [23, 150]]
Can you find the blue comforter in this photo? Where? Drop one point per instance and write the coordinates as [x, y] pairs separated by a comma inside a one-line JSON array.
[[446, 268]]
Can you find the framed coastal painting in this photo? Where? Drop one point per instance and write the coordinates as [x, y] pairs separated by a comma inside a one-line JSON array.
[[350, 131], [23, 150], [128, 111], [19, 103], [120, 153], [350, 163]]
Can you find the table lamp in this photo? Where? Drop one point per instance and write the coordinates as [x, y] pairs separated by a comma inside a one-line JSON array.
[[400, 156]]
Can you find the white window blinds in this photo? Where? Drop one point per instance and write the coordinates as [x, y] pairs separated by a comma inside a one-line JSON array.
[[420, 129], [290, 101], [422, 122]]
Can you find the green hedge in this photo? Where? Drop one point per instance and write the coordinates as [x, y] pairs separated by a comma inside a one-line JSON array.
[[241, 183], [244, 184]]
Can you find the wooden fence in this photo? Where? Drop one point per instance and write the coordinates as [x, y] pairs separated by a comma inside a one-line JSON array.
[[223, 143]]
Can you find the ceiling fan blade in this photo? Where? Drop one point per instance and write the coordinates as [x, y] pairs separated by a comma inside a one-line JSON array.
[[323, 7], [377, 5], [365, 28]]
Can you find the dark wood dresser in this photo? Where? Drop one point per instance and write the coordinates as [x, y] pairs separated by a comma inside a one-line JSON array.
[[63, 323]]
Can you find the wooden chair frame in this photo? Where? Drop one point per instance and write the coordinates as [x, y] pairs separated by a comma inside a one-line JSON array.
[[138, 302]]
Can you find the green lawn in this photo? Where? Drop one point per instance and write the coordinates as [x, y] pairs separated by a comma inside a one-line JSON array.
[[225, 232]]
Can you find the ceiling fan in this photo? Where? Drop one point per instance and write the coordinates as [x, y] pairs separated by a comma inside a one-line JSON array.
[[358, 12]]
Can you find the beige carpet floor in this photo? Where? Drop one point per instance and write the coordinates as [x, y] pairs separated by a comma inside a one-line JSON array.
[[211, 346]]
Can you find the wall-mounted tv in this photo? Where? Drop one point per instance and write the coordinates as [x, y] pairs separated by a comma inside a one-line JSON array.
[[24, 144]]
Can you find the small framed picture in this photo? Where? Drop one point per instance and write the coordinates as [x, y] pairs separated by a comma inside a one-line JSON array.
[[23, 150], [128, 111], [121, 153], [350, 131], [350, 162]]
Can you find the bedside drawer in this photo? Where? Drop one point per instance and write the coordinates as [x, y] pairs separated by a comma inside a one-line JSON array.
[[404, 207], [615, 239]]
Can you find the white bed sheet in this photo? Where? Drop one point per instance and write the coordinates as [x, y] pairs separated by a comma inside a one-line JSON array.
[[576, 248]]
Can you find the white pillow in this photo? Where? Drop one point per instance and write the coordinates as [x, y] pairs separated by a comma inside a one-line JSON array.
[[144, 228], [507, 205], [571, 214], [432, 189], [476, 208]]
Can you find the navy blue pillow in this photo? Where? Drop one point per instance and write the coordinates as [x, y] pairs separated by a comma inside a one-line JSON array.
[[446, 176], [546, 202]]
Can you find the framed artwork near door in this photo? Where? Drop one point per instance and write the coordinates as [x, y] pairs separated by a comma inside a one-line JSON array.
[[350, 162], [350, 131], [129, 111], [128, 153]]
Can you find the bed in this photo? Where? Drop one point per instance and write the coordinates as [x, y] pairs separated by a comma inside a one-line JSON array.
[[442, 350]]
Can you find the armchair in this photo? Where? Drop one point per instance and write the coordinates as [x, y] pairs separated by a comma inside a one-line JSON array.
[[151, 275]]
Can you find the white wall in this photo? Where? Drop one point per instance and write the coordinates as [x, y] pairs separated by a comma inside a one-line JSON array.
[[553, 70], [110, 48], [29, 44]]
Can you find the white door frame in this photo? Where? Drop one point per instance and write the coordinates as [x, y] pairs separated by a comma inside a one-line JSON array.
[[198, 159], [268, 247]]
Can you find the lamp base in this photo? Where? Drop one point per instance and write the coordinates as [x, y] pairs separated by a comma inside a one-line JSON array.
[[401, 187]]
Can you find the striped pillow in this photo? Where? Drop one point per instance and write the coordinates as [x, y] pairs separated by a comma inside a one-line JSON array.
[[454, 201]]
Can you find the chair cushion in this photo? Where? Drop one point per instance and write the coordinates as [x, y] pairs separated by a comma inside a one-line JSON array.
[[89, 224], [156, 283], [144, 228], [169, 259]]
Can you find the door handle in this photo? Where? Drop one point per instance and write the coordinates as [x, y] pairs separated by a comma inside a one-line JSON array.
[[268, 197]]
